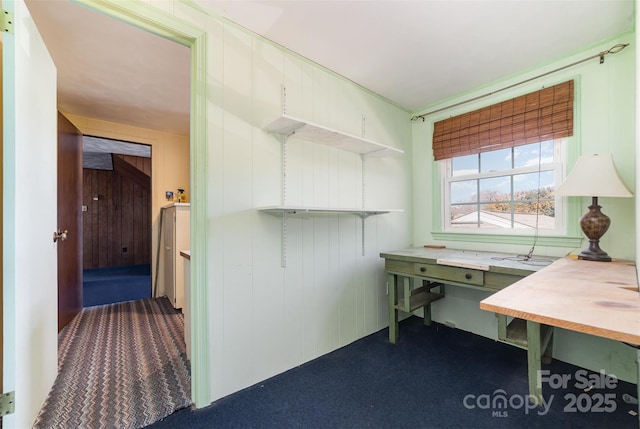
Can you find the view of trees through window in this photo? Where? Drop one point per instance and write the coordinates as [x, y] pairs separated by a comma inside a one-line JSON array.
[[506, 188]]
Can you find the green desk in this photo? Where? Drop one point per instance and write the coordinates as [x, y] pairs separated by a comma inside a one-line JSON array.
[[416, 278], [596, 298]]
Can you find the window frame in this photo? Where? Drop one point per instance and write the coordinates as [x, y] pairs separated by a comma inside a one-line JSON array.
[[446, 177], [572, 207]]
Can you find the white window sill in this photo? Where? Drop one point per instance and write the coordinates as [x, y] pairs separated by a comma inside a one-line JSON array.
[[543, 240]]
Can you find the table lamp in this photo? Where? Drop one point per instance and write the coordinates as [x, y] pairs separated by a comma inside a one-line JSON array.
[[594, 176]]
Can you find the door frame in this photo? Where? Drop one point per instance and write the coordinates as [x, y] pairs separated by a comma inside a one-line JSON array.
[[170, 27], [1, 222]]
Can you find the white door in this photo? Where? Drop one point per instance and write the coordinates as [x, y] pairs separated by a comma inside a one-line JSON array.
[[29, 204]]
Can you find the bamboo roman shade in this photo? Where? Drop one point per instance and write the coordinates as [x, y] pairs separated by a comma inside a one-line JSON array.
[[538, 116]]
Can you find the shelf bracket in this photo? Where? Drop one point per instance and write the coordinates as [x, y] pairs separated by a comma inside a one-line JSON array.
[[283, 236], [285, 214], [283, 198], [283, 99], [363, 218], [283, 240], [363, 215]]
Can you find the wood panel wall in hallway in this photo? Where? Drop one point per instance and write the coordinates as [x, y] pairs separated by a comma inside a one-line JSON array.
[[117, 223]]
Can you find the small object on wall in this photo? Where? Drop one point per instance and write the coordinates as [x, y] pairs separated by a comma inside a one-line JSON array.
[[169, 195], [181, 197], [85, 208]]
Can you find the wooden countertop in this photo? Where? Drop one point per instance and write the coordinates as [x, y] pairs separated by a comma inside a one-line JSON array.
[[597, 298]]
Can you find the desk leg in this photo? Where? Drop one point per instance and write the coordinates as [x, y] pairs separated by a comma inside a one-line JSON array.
[[533, 360], [393, 312], [638, 386], [427, 308], [547, 353]]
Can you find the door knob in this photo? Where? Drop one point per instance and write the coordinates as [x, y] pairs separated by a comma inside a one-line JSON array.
[[60, 235]]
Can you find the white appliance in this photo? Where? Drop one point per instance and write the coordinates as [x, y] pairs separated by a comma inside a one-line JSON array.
[[176, 237]]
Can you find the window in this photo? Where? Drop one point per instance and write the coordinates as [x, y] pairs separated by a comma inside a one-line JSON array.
[[505, 191], [501, 163]]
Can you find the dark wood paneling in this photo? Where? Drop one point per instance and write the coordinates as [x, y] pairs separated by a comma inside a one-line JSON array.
[[121, 216], [101, 198], [126, 216], [87, 218], [113, 230], [70, 194], [130, 172], [140, 163]]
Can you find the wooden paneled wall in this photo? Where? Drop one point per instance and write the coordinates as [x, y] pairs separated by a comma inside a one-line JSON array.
[[142, 164], [117, 223]]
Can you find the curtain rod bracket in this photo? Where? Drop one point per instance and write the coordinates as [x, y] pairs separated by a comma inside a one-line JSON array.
[[613, 50]]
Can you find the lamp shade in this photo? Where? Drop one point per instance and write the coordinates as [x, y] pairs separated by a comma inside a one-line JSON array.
[[593, 176]]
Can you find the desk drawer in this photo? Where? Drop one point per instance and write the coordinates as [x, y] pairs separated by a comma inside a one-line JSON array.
[[398, 266], [499, 281], [456, 274]]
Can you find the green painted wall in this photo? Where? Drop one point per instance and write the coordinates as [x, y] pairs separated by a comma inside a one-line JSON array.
[[604, 122]]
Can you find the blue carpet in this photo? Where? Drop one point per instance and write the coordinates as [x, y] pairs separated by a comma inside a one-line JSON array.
[[116, 284], [435, 377]]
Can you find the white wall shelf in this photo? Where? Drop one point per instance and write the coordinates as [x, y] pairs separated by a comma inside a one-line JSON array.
[[286, 211], [298, 210], [288, 126]]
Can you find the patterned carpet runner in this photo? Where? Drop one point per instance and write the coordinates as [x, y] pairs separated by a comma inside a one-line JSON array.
[[119, 366]]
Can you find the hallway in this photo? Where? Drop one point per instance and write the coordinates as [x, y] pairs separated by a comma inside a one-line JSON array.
[[121, 365]]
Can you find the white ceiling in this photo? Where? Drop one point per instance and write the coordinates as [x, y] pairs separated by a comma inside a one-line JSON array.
[[413, 53], [416, 53], [113, 71]]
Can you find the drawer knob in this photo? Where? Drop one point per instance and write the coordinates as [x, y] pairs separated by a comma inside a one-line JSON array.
[[423, 269], [468, 276]]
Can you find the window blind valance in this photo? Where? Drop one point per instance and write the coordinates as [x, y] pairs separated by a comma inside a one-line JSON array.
[[538, 116]]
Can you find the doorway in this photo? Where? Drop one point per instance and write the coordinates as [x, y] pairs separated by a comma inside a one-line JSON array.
[[150, 19], [117, 221], [121, 99]]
